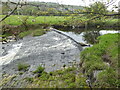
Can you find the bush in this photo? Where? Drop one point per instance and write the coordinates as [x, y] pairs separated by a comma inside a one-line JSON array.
[[23, 67]]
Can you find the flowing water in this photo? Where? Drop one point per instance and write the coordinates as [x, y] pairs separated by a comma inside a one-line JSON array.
[[88, 36]]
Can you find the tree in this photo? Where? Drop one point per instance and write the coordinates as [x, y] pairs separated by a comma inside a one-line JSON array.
[[97, 7], [91, 11]]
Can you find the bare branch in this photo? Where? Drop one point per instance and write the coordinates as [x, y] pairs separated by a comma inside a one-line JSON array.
[[10, 13]]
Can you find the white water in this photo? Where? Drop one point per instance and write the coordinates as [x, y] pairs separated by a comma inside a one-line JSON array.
[[80, 38], [11, 53], [102, 32]]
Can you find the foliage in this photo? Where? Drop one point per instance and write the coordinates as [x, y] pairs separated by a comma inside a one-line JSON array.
[[50, 9], [97, 7]]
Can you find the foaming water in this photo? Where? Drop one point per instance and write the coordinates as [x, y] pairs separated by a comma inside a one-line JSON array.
[[102, 32], [11, 53]]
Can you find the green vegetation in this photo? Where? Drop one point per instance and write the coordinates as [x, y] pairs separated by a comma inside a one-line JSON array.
[[6, 79], [66, 78], [18, 19], [58, 20], [23, 67], [29, 79], [102, 56], [39, 70], [36, 32], [46, 9]]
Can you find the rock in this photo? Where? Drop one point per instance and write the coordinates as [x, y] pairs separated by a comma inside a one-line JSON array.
[[52, 49]]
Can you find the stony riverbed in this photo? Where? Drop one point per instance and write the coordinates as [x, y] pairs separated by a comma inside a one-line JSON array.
[[51, 50]]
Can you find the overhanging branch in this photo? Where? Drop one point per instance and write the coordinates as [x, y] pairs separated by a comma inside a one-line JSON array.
[[10, 13]]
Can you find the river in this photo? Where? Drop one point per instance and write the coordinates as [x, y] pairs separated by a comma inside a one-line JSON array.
[[51, 50]]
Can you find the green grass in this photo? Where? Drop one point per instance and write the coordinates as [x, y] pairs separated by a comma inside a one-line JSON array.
[[96, 57], [57, 20], [66, 78], [17, 20], [23, 66], [111, 21], [36, 32], [39, 70]]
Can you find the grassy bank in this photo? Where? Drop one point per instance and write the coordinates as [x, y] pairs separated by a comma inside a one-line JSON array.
[[102, 58], [20, 32], [66, 78], [21, 26]]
